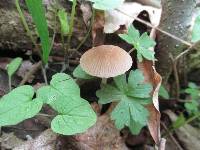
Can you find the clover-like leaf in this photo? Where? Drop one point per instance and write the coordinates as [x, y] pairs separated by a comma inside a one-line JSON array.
[[141, 43], [132, 95], [18, 105], [75, 116], [106, 4], [60, 85]]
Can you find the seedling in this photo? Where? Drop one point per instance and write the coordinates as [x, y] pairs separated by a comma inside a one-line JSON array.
[[194, 92], [12, 68], [75, 114], [141, 43]]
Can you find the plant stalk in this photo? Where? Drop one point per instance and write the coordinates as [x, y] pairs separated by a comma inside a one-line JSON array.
[[71, 26], [10, 83], [24, 21]]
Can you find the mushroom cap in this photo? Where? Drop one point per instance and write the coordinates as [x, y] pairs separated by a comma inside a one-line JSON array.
[[106, 61]]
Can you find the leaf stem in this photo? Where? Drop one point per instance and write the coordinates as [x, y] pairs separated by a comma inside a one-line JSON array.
[[44, 73], [71, 26], [10, 83], [24, 21]]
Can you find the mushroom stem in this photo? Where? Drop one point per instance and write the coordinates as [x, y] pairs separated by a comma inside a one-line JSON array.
[[104, 81]]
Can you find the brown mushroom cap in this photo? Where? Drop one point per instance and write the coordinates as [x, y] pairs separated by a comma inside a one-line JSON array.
[[106, 61]]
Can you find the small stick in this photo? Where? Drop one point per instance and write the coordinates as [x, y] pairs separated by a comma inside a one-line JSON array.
[[174, 64], [171, 137]]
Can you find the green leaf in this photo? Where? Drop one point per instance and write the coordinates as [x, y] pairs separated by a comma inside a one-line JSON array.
[[192, 107], [13, 66], [62, 15], [60, 85], [121, 82], [106, 4], [131, 96], [180, 121], [37, 11], [121, 115], [163, 92], [80, 73], [135, 127], [135, 35], [136, 87], [75, 116], [109, 94], [141, 43], [18, 105], [196, 30], [135, 78], [128, 109]]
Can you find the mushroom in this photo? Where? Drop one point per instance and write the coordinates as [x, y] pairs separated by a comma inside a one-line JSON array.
[[105, 61]]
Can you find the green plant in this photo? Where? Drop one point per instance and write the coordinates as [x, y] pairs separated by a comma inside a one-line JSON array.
[[63, 18], [193, 106], [140, 43], [37, 12], [74, 114], [163, 92], [12, 68], [132, 96]]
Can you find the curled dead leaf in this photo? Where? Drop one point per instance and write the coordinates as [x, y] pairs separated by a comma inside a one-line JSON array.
[[115, 18]]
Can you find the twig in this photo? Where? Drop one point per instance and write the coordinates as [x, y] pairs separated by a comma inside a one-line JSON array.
[[192, 118], [171, 136], [174, 64], [31, 72], [193, 46], [157, 28]]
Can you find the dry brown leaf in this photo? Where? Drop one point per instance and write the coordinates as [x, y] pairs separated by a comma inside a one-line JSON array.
[[103, 135], [151, 76], [97, 29], [46, 141], [9, 141], [86, 11], [115, 18]]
